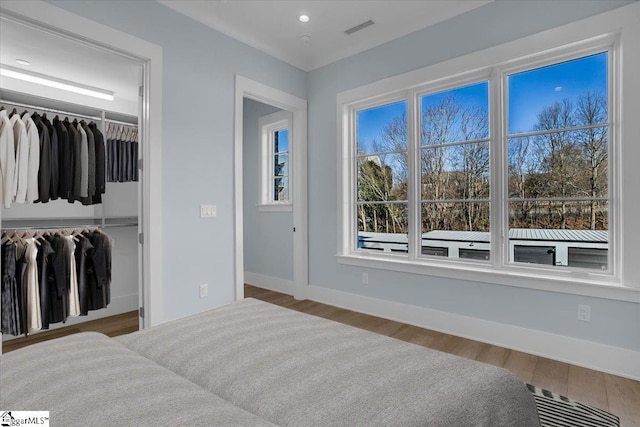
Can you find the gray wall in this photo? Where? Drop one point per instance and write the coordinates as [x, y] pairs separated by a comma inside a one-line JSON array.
[[268, 240], [199, 67], [613, 322]]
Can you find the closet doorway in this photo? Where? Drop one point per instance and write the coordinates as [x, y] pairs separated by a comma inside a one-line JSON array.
[[33, 49], [270, 189]]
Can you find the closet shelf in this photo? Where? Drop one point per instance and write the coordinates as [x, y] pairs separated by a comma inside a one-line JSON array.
[[35, 223]]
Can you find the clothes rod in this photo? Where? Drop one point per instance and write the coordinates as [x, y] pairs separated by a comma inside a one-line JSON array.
[[118, 122], [64, 227], [50, 110]]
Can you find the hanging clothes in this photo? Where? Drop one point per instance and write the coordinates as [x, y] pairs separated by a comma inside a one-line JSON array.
[[43, 264], [43, 160], [74, 299], [53, 159], [34, 158], [7, 158], [100, 163], [21, 172], [10, 301], [122, 156], [55, 276], [65, 158], [44, 169], [58, 278], [34, 315]]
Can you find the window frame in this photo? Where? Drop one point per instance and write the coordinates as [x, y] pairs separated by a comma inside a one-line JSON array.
[[268, 125], [503, 61]]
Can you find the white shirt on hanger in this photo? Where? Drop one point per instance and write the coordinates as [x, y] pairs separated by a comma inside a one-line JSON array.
[[74, 298], [34, 315], [21, 172], [34, 158], [7, 158]]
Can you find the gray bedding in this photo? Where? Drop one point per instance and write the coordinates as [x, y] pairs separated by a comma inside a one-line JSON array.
[[89, 379], [295, 369]]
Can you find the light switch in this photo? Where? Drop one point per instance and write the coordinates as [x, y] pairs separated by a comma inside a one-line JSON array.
[[208, 211]]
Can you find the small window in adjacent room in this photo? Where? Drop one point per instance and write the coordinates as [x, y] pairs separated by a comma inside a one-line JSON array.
[[275, 135]]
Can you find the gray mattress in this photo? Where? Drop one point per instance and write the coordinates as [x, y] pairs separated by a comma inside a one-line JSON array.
[[89, 379], [295, 369]]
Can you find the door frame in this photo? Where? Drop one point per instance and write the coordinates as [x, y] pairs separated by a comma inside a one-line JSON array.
[[58, 21], [246, 88]]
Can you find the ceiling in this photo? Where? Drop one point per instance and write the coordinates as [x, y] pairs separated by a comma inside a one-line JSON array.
[[66, 59], [273, 26]]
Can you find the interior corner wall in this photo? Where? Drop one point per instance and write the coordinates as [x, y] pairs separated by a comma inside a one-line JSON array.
[[613, 323], [268, 240], [199, 69]]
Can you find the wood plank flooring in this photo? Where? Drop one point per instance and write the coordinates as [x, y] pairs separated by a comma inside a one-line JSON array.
[[615, 394], [112, 326]]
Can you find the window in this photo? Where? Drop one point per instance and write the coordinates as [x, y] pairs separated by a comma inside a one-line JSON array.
[[558, 148], [275, 164], [454, 160], [381, 157], [502, 169]]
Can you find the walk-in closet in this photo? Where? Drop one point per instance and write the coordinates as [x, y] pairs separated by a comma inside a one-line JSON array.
[[76, 185]]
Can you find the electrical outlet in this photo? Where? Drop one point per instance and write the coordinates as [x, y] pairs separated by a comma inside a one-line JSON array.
[[365, 278], [584, 313], [204, 290]]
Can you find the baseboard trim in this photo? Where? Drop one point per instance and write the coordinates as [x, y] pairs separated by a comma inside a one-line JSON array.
[[601, 357], [276, 284]]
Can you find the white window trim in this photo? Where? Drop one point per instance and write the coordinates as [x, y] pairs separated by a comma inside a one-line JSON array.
[[267, 125], [616, 28]]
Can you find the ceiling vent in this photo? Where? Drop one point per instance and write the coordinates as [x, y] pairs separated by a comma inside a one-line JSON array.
[[359, 27]]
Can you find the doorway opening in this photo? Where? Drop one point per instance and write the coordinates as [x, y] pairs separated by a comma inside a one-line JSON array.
[[270, 189]]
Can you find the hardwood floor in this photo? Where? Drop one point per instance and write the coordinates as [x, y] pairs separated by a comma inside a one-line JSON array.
[[112, 326], [617, 395]]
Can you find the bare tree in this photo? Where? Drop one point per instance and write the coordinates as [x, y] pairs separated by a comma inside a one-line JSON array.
[[591, 110], [559, 157]]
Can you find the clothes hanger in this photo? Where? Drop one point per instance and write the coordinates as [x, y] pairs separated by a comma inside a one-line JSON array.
[[26, 235], [38, 236], [65, 232], [5, 236], [17, 238]]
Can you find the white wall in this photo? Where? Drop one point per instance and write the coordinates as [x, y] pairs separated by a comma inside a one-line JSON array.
[[199, 68], [268, 237]]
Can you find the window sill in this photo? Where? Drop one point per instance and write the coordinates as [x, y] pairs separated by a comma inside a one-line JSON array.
[[276, 207], [486, 274]]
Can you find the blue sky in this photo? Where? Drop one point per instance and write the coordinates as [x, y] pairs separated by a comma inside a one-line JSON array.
[[529, 92]]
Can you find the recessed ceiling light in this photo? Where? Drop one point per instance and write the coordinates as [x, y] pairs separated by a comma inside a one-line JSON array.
[[303, 18], [23, 62]]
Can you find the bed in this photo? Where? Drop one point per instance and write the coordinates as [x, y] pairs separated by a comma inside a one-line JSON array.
[[271, 365]]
